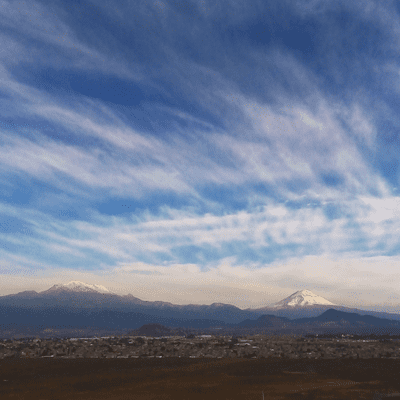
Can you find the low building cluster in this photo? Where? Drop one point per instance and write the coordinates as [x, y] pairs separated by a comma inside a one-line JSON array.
[[259, 346]]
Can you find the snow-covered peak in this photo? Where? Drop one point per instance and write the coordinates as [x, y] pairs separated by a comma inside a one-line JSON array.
[[78, 286], [303, 298]]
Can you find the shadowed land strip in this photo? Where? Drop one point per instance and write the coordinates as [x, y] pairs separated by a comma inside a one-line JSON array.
[[197, 379]]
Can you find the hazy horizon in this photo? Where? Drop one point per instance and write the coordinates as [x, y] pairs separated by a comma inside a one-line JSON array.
[[200, 152], [243, 300]]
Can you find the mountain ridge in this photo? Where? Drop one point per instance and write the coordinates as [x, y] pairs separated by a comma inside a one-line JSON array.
[[304, 298], [90, 304]]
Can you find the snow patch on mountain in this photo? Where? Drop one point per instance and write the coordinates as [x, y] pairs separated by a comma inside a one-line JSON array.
[[303, 298], [78, 286]]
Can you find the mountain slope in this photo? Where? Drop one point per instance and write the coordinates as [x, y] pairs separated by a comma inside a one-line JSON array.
[[331, 321], [333, 315]]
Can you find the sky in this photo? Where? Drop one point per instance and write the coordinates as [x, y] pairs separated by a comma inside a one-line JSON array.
[[202, 151]]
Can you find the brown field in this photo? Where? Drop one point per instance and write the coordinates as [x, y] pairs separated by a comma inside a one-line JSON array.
[[195, 379]]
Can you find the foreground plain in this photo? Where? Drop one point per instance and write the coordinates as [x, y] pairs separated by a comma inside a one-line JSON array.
[[195, 379]]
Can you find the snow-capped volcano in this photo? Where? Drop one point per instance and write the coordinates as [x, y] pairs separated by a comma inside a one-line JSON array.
[[78, 286], [303, 298]]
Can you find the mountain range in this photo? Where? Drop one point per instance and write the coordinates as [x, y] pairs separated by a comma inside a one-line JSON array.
[[329, 321], [80, 305]]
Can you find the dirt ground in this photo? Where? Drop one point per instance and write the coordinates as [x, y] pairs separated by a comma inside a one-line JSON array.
[[195, 379]]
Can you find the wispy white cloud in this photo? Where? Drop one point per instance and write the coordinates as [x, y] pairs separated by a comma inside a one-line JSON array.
[[46, 27], [269, 161], [280, 145], [362, 228]]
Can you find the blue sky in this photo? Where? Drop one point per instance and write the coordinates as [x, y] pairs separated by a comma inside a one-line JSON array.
[[239, 150]]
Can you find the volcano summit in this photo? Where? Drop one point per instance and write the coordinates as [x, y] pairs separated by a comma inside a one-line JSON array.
[[77, 286], [303, 298]]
